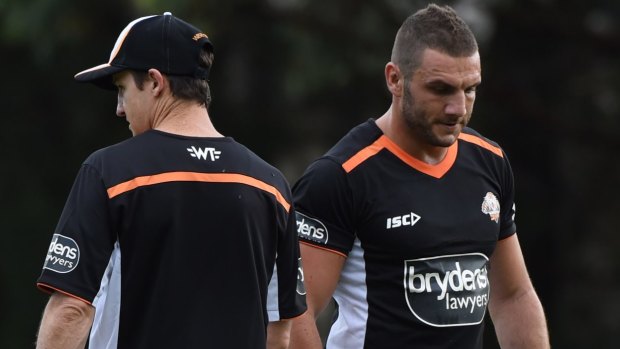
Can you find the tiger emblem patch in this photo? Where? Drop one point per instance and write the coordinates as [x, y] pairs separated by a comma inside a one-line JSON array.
[[490, 206]]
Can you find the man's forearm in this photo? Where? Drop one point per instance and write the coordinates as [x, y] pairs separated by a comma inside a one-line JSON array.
[[279, 334], [520, 323], [304, 334], [65, 324]]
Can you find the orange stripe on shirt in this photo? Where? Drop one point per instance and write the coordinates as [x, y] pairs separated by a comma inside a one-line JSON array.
[[383, 142], [51, 289], [363, 155], [197, 177], [482, 143], [437, 170], [323, 248]]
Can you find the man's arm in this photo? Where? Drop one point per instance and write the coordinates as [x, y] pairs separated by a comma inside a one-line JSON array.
[[279, 334], [321, 274], [515, 309], [65, 324]]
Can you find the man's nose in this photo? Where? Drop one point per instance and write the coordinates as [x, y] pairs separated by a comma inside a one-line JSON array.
[[457, 104], [120, 111]]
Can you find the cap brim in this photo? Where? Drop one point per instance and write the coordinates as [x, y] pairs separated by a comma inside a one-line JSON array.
[[100, 75]]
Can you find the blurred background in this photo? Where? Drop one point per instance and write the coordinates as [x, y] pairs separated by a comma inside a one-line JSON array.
[[290, 78]]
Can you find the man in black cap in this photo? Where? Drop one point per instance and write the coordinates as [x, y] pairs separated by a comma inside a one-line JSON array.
[[178, 237]]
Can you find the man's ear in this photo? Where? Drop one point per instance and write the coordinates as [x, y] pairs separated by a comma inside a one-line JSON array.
[[394, 79], [158, 82]]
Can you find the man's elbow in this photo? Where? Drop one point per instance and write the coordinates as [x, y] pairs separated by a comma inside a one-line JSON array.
[[74, 313], [68, 310]]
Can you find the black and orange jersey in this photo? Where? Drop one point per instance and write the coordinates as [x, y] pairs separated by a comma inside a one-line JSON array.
[[416, 237], [178, 242]]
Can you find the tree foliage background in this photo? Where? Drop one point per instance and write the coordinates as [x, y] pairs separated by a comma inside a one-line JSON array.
[[290, 78]]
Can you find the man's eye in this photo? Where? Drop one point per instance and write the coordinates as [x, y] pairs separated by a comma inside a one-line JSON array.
[[441, 89]]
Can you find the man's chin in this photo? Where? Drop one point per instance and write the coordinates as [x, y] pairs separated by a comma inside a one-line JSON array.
[[445, 142], [446, 139]]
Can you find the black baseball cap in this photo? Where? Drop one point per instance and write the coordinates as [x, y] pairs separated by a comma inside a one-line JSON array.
[[162, 42]]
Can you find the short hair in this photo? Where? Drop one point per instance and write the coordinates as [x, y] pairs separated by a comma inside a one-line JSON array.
[[435, 27], [186, 87]]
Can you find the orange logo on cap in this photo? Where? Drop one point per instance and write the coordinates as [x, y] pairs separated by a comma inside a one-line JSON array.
[[199, 36]]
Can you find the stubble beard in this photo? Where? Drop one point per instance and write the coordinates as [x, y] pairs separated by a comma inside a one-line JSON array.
[[420, 126]]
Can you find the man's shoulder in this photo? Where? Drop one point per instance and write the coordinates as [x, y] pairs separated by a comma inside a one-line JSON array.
[[97, 157], [261, 168], [329, 169], [472, 138], [155, 153], [470, 131], [357, 139]]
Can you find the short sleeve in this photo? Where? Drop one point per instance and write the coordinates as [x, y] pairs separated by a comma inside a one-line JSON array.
[[286, 295], [324, 207], [82, 244], [507, 205]]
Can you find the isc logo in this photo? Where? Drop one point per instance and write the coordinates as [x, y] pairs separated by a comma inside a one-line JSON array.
[[408, 219]]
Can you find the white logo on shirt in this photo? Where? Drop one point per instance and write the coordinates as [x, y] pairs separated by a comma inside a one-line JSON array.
[[301, 288], [204, 153], [409, 219], [311, 228], [490, 206], [63, 254], [446, 291]]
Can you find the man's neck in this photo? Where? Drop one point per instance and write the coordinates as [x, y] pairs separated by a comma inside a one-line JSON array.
[[186, 118]]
